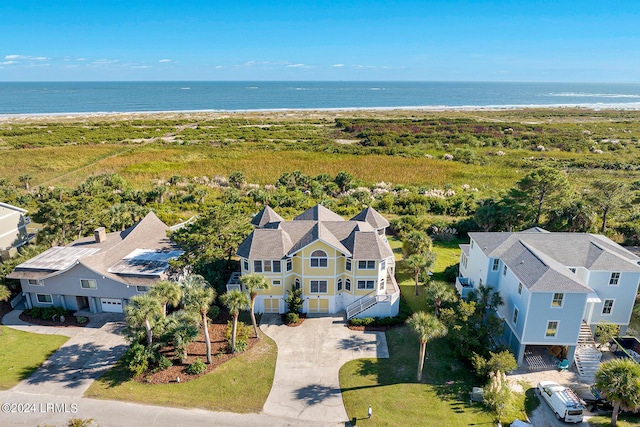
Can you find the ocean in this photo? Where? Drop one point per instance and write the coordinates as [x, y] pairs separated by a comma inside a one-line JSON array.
[[30, 98]]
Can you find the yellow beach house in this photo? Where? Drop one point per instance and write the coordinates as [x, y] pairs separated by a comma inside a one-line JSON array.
[[340, 265]]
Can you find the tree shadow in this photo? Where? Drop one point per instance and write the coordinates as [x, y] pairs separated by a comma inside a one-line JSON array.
[[72, 365], [315, 393]]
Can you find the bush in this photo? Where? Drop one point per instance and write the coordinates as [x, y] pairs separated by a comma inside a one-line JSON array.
[[196, 367], [363, 321], [137, 359], [164, 363], [291, 318], [82, 320], [294, 300], [243, 333], [451, 272], [214, 312]]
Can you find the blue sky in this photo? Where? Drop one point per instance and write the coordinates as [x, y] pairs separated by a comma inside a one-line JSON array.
[[456, 40]]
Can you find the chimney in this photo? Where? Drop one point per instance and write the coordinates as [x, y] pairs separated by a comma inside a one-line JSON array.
[[100, 234]]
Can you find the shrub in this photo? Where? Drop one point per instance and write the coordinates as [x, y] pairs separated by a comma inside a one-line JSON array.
[[294, 300], [196, 367], [363, 321], [290, 318], [214, 312], [243, 333], [79, 422], [164, 363], [82, 320], [451, 272], [137, 359]]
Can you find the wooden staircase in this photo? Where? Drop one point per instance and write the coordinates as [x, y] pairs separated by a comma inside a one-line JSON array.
[[587, 357]]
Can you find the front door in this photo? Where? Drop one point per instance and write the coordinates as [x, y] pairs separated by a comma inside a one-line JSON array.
[[82, 302]]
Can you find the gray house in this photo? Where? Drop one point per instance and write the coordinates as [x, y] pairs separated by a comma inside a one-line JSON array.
[[557, 287], [99, 273], [13, 229]]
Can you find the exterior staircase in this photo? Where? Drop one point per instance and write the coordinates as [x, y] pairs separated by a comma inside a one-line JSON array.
[[587, 357]]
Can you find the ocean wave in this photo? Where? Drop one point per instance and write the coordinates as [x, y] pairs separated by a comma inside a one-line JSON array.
[[594, 95]]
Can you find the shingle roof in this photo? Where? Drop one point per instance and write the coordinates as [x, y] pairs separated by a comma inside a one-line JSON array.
[[277, 240], [541, 259], [148, 235], [266, 216], [372, 217]]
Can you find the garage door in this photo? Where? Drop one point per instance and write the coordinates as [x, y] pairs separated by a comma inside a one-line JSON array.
[[319, 305], [111, 305], [271, 305]]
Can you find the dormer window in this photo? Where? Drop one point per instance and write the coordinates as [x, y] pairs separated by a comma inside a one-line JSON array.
[[319, 259]]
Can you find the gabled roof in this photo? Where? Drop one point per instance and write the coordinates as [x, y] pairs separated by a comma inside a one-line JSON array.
[[266, 216], [372, 217], [541, 260], [142, 250], [277, 240]]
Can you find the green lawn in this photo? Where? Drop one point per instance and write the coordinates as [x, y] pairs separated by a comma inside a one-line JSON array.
[[240, 385], [390, 387], [22, 353], [623, 421]]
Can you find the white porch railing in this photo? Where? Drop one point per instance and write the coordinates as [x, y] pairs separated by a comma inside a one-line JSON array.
[[390, 297]]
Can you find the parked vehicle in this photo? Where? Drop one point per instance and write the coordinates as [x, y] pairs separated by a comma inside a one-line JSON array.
[[562, 401], [628, 347], [592, 398]]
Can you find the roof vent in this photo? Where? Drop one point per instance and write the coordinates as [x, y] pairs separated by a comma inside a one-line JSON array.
[[100, 234]]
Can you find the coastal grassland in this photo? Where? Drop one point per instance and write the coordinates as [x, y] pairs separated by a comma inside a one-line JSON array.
[[240, 385], [23, 353]]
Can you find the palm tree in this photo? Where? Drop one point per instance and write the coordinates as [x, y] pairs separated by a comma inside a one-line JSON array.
[[419, 261], [235, 301], [417, 249], [142, 310], [181, 330], [198, 297], [5, 293], [440, 293], [253, 283], [619, 381], [167, 293], [426, 326]]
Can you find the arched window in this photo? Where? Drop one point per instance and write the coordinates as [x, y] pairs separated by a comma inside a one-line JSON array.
[[347, 284], [296, 284], [339, 285], [319, 259]]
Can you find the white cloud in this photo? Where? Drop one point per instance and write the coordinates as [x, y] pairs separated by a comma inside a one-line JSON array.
[[295, 65], [8, 62], [140, 66], [27, 57], [105, 61], [165, 60], [338, 65]]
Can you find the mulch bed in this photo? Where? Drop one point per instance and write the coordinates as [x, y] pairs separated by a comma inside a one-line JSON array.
[[372, 328], [301, 318], [5, 307], [196, 350], [68, 321]]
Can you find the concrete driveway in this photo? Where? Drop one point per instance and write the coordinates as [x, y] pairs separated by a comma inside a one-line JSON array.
[[306, 384], [89, 352]]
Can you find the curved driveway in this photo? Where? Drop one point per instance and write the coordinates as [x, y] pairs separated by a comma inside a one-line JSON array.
[[306, 384]]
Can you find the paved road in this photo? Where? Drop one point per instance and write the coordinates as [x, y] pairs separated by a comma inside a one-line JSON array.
[[306, 384], [306, 390]]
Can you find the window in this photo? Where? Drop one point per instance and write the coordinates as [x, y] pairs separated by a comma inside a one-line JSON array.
[[383, 265], [318, 286], [515, 315], [142, 288], [613, 281], [44, 298], [464, 260], [557, 300], [347, 264], [245, 265], [504, 271], [276, 283], [496, 264], [472, 244], [319, 259], [267, 266], [289, 264], [519, 288], [367, 265], [552, 329], [381, 285], [257, 266], [88, 284], [296, 284], [366, 284], [34, 282], [347, 284], [607, 307], [339, 285]]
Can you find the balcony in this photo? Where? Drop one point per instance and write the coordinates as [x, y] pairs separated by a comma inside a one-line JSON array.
[[463, 286]]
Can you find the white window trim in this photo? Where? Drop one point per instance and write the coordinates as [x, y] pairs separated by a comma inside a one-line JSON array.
[[45, 302], [496, 265], [367, 263], [276, 282], [340, 285], [613, 304], [520, 288], [514, 317], [550, 337], [347, 285], [289, 266], [553, 297], [365, 288], [88, 282], [348, 264], [326, 282], [142, 290], [617, 279], [37, 282]]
